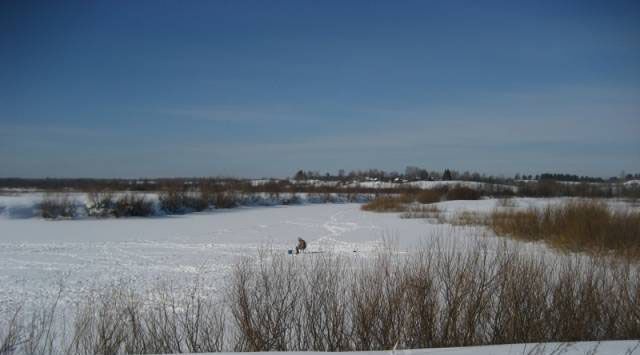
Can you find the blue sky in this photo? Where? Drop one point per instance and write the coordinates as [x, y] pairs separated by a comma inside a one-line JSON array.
[[263, 88]]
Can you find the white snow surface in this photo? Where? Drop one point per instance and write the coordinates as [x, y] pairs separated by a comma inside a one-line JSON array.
[[87, 254], [36, 255]]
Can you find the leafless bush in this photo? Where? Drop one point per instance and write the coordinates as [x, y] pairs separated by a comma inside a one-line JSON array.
[[266, 308], [176, 201], [100, 325], [58, 205], [433, 298], [323, 300], [119, 320], [11, 332], [378, 309], [133, 205], [225, 200], [101, 203]]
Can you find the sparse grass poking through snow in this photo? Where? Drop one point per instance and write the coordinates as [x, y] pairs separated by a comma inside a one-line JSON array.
[[422, 211], [577, 225], [466, 218]]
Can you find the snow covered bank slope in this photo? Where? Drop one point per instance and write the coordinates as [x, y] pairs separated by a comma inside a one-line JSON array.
[[624, 347]]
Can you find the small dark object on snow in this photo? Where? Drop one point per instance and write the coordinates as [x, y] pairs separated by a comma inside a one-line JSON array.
[[302, 245]]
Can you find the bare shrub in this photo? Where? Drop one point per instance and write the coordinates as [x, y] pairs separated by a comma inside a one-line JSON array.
[[422, 288], [119, 320], [11, 332], [100, 325], [101, 203], [58, 206], [202, 322], [324, 305], [172, 201], [266, 305], [378, 311], [433, 298], [225, 200], [520, 300], [133, 205], [176, 201]]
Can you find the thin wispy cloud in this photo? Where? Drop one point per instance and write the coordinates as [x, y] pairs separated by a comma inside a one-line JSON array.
[[233, 114]]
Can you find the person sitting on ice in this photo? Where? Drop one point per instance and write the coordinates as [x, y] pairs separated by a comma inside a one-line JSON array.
[[302, 245]]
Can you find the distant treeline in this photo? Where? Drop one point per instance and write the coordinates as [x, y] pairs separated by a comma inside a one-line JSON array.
[[413, 173], [543, 185], [569, 177]]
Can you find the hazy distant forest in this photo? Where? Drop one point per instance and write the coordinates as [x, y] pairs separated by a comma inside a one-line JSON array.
[[342, 177]]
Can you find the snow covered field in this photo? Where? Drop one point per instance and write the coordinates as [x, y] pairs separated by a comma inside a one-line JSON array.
[[37, 256]]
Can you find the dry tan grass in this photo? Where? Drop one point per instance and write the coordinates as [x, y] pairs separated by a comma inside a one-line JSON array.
[[430, 196], [401, 203], [388, 204], [463, 193], [577, 225]]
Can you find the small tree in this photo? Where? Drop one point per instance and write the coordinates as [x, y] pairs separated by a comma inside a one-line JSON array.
[[446, 175], [300, 175]]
